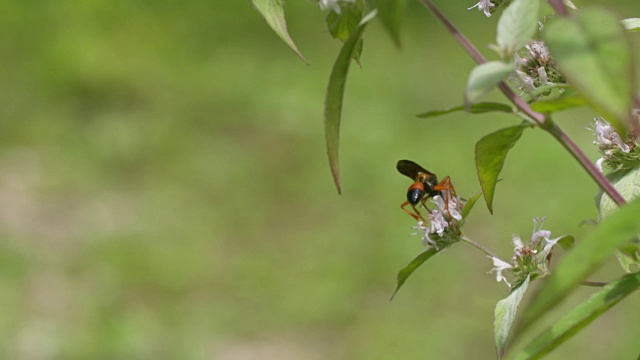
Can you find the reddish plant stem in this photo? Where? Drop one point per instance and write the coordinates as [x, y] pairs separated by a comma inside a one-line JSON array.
[[540, 119], [559, 7]]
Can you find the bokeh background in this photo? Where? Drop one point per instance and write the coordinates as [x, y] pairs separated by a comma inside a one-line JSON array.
[[165, 193]]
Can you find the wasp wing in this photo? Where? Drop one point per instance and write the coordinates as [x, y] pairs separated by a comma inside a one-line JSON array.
[[411, 169]]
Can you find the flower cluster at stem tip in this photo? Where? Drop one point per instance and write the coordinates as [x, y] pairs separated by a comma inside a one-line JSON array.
[[617, 153], [529, 258], [442, 226], [536, 67]]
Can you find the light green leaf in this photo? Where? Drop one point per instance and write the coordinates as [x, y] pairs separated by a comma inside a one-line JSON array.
[[273, 12], [335, 95], [391, 14], [341, 25], [581, 316], [597, 60], [627, 183], [566, 241], [485, 77], [477, 108], [491, 152], [559, 104], [404, 274], [505, 314], [585, 257], [632, 24], [517, 25]]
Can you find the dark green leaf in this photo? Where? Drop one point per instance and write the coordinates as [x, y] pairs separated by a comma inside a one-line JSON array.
[[517, 25], [505, 314], [596, 60], [581, 316], [632, 24], [477, 108], [485, 77], [404, 274], [559, 104], [585, 257], [273, 13], [391, 14], [335, 94], [342, 25], [491, 151]]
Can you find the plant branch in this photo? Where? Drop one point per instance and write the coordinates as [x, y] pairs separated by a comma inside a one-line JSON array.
[[559, 7], [538, 118], [478, 246]]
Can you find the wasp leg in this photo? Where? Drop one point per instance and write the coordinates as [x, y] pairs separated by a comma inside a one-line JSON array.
[[446, 186], [416, 216]]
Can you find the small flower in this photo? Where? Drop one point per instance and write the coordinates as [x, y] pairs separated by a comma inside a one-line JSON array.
[[498, 267], [484, 6], [616, 152], [333, 4], [451, 207]]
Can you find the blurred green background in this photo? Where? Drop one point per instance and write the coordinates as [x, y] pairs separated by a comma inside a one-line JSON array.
[[165, 193]]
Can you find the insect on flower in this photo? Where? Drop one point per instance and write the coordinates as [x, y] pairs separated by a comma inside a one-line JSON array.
[[425, 186]]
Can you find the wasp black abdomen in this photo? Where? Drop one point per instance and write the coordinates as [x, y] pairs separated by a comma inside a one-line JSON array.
[[415, 193]]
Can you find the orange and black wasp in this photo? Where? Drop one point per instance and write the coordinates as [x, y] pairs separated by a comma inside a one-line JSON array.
[[425, 185]]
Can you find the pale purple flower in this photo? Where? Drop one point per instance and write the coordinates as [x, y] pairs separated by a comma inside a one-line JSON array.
[[484, 6], [498, 267]]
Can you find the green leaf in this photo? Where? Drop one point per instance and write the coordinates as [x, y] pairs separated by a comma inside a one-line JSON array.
[[335, 95], [491, 152], [404, 274], [477, 108], [559, 104], [505, 314], [485, 77], [632, 24], [517, 25], [566, 242], [466, 210], [581, 316], [341, 25], [596, 60], [627, 183], [273, 12], [391, 14], [585, 257]]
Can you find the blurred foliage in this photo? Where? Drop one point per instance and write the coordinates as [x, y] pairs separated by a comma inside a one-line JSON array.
[[165, 193]]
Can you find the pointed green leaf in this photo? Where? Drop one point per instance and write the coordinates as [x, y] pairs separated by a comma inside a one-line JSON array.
[[273, 12], [559, 104], [404, 274], [585, 257], [505, 314], [596, 60], [466, 210], [517, 25], [335, 95], [341, 25], [581, 316], [485, 77], [491, 152], [632, 24], [391, 14], [477, 108]]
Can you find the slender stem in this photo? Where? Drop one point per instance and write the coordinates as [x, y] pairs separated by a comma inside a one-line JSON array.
[[538, 118], [559, 7], [594, 283], [478, 246]]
